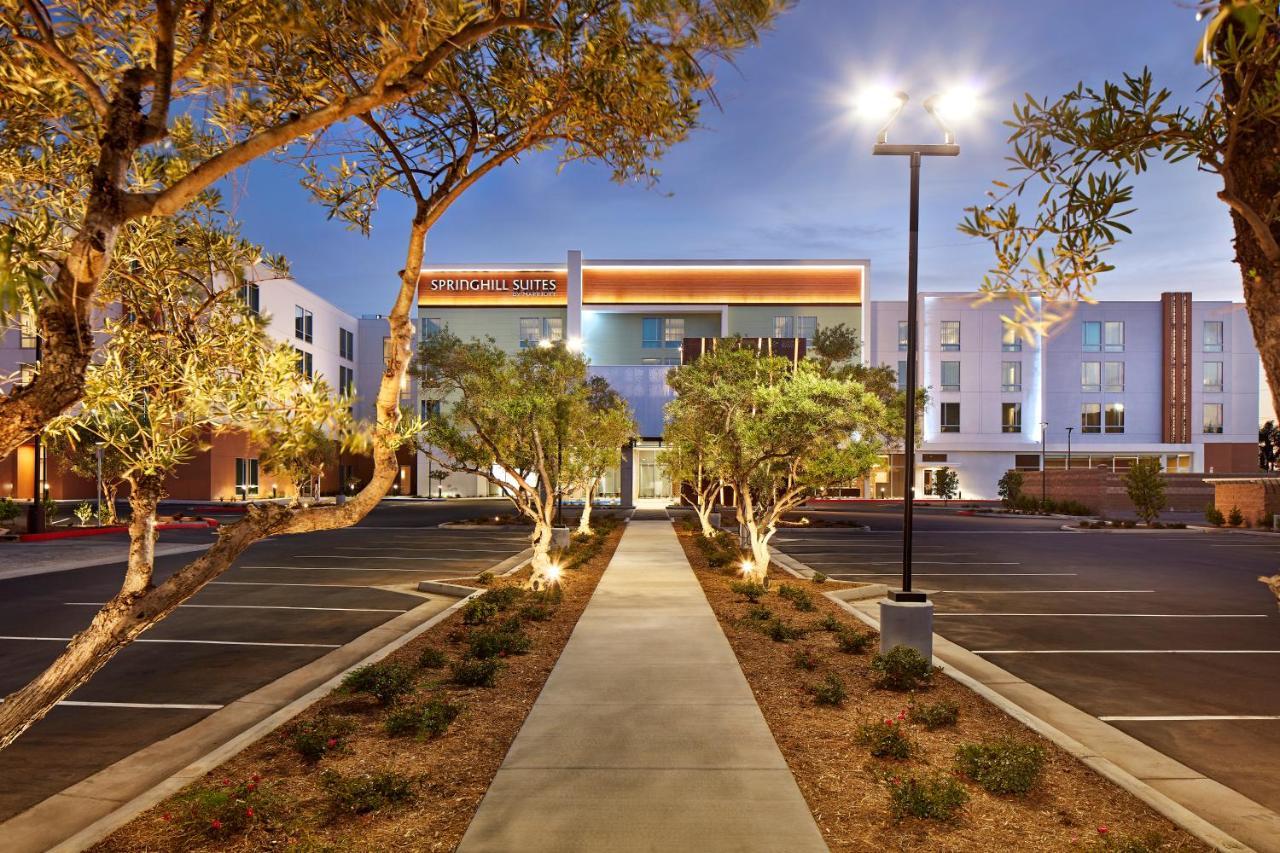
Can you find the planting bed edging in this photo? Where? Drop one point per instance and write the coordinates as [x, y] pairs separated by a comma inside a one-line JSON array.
[[93, 796], [78, 532]]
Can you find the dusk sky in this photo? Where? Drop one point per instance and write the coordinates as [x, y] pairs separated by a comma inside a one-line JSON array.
[[783, 171]]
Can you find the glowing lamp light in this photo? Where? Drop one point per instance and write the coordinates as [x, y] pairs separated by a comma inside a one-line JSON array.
[[747, 566], [545, 343], [958, 103], [575, 344], [553, 573], [879, 102]]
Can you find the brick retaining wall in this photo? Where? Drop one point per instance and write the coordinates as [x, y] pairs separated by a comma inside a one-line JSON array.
[[1105, 492]]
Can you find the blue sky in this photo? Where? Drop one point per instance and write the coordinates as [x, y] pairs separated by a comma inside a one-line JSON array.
[[782, 171]]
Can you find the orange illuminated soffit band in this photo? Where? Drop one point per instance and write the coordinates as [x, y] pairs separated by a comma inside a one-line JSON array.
[[727, 284]]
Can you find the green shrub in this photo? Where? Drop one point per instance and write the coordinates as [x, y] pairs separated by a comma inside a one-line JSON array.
[[9, 510], [385, 682], [226, 809], [535, 613], [852, 641], [1213, 515], [935, 715], [83, 513], [474, 672], [805, 659], [312, 739], [750, 590], [504, 597], [484, 578], [1129, 524], [781, 632], [1111, 842], [901, 668], [1009, 488], [759, 613], [547, 597], [830, 623], [477, 611], [830, 692], [798, 597], [819, 577], [502, 641], [432, 658], [1176, 525], [936, 797], [366, 792], [428, 720], [885, 739], [1001, 766], [1235, 517]]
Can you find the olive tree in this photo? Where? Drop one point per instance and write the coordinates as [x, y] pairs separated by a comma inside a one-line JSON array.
[[1145, 485], [688, 461], [1075, 157], [596, 438], [780, 431], [86, 455]]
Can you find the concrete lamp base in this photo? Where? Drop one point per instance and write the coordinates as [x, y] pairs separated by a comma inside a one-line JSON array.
[[907, 623], [560, 538]]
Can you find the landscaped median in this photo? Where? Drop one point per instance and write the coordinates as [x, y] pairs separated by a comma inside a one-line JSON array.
[[892, 756], [401, 755]]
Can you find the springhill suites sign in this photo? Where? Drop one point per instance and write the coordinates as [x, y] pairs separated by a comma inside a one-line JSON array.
[[513, 286]]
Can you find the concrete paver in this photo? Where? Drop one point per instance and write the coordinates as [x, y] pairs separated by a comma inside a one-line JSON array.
[[646, 735]]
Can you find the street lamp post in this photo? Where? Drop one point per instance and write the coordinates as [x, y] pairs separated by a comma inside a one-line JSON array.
[[906, 617], [1069, 429], [98, 499], [1044, 471]]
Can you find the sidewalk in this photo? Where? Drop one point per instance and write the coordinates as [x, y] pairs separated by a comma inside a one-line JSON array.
[[646, 735]]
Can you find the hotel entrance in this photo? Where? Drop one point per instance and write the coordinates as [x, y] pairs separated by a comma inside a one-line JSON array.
[[653, 486]]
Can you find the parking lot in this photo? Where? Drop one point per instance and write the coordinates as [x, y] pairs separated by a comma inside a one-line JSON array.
[[286, 602], [1166, 635]]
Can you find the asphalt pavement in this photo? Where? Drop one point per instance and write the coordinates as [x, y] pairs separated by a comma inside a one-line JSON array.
[[286, 602], [1166, 635]]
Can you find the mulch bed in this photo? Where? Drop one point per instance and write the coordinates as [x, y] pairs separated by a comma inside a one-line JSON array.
[[848, 790], [275, 799]]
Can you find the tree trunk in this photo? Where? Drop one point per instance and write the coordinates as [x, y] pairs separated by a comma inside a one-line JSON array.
[[539, 567], [138, 605], [584, 523], [757, 539], [109, 490]]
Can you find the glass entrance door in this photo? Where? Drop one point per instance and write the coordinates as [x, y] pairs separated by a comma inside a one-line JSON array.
[[654, 482]]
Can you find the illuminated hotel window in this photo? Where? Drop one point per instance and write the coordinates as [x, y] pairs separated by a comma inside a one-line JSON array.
[[949, 418], [534, 330], [795, 327], [662, 332], [1011, 376], [1113, 376], [1091, 376], [1213, 417], [1213, 336], [1011, 417], [950, 376], [246, 477], [1213, 376], [902, 335], [1113, 336], [950, 335], [902, 376], [430, 326], [1091, 417], [1114, 420], [1010, 341]]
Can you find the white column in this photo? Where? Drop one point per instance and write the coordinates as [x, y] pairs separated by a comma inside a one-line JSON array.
[[573, 308]]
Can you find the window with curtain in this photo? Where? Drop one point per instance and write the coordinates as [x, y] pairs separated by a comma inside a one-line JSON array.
[[949, 334], [1113, 417], [1113, 376], [1011, 417], [1090, 376], [1091, 417], [950, 376], [1213, 376], [1011, 376], [1213, 417], [949, 417], [1213, 336]]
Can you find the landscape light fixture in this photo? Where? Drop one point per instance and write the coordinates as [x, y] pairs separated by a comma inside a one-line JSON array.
[[553, 573], [545, 343]]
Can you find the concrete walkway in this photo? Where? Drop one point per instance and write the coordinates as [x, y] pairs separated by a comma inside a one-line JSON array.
[[646, 735]]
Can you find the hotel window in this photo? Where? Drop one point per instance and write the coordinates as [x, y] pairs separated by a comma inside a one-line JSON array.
[[949, 417], [1213, 417], [1213, 376], [534, 330], [251, 295], [1026, 461], [664, 360], [950, 335], [1113, 336], [346, 380], [662, 332], [902, 376], [1090, 376], [27, 330], [1113, 417], [1213, 336], [429, 409], [346, 344], [429, 326], [902, 335], [950, 376], [26, 374], [1091, 417], [1010, 340], [806, 327], [1011, 376], [1011, 417], [304, 363], [1113, 376], [246, 477], [784, 327], [1091, 337], [302, 323]]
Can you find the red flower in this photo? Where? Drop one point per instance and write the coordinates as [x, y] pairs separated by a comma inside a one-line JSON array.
[[215, 824], [1102, 830], [226, 783], [256, 778], [250, 786], [248, 812], [331, 742], [166, 817]]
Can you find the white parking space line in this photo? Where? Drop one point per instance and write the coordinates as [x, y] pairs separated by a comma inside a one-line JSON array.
[[940, 563], [258, 607], [1039, 591], [424, 547], [1189, 718], [368, 557], [1126, 615], [75, 703], [192, 642], [1275, 545], [955, 574], [1127, 652], [288, 583], [419, 570]]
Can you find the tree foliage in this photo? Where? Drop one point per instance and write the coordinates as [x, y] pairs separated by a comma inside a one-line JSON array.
[[1144, 482], [946, 483], [779, 432], [1075, 157], [1268, 446], [595, 440]]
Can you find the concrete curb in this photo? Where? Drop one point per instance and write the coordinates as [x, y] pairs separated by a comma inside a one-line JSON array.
[[497, 528], [1188, 529], [509, 566], [98, 797]]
